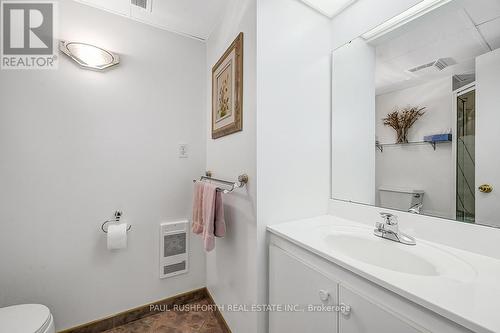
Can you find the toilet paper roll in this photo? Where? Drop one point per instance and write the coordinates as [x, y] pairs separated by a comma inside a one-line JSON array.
[[117, 236]]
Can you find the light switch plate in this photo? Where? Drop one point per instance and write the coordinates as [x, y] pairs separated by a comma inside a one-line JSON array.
[[183, 150]]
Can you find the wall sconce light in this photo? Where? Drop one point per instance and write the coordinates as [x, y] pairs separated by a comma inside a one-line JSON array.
[[89, 56]]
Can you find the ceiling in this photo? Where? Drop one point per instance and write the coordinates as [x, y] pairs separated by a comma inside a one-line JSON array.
[[457, 32], [193, 18]]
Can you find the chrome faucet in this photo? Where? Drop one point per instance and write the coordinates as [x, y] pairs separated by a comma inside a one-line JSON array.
[[416, 208], [389, 229]]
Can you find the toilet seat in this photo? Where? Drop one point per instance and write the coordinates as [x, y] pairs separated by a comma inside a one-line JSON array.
[[26, 318]]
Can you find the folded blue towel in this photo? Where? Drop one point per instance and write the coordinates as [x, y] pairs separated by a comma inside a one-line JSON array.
[[437, 137]]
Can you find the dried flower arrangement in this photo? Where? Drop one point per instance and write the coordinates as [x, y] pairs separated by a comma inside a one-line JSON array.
[[401, 120], [223, 98]]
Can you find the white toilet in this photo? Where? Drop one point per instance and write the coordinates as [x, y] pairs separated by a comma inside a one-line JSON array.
[[26, 318], [400, 198]]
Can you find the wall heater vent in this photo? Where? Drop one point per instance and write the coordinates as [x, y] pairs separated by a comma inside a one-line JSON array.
[[143, 4], [174, 248]]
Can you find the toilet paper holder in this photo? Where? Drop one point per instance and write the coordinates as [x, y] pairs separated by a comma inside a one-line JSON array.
[[118, 215]]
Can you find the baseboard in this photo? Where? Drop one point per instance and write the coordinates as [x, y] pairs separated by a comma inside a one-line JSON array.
[[146, 310], [218, 314]]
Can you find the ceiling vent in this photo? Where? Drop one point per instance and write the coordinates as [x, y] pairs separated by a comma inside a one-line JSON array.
[[439, 65], [142, 4]]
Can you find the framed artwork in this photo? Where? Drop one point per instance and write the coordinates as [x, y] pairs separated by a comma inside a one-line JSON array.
[[227, 91]]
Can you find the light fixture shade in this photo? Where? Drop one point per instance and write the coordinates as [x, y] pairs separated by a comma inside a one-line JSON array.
[[329, 8], [414, 12], [89, 56]]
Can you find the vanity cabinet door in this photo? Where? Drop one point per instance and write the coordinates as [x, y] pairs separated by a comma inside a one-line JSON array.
[[360, 315], [292, 282]]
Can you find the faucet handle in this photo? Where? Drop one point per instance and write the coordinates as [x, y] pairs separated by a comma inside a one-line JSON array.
[[389, 218]]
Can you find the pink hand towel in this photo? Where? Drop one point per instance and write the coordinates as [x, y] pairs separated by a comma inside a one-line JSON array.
[[220, 223], [208, 214], [197, 226]]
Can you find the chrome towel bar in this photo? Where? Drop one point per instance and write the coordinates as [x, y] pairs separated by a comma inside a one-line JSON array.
[[242, 181]]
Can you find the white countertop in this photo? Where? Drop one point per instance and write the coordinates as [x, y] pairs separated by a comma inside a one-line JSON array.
[[472, 301]]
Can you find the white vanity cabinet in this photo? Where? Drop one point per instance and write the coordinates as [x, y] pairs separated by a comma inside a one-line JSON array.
[[297, 276], [295, 283]]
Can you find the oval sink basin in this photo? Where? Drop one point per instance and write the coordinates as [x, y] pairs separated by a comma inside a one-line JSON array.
[[380, 253], [362, 246]]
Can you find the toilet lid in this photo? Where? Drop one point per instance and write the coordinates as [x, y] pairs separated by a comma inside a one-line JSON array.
[[25, 318]]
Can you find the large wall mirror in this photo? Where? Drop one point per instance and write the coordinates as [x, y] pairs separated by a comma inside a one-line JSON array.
[[422, 93]]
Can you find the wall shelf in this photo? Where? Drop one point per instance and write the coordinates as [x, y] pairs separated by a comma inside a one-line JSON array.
[[380, 146]]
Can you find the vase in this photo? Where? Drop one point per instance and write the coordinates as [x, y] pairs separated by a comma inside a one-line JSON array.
[[402, 135]]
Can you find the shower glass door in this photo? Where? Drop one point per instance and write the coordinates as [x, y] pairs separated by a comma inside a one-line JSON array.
[[465, 141]]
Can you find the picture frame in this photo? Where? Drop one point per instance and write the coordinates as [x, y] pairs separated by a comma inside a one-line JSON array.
[[227, 91]]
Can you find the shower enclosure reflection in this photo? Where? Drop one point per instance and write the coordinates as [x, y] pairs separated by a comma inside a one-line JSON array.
[[465, 171]]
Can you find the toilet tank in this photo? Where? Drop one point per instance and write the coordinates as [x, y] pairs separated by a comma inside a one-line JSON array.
[[399, 198]]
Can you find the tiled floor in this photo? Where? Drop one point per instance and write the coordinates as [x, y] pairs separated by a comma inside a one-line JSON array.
[[193, 321]]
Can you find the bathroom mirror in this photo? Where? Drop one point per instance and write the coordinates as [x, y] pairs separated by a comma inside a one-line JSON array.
[[422, 92]]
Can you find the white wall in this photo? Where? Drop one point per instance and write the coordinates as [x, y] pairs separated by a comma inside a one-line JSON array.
[[293, 120], [419, 167], [353, 122], [75, 145], [231, 267]]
